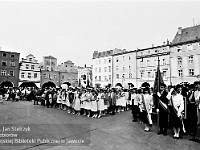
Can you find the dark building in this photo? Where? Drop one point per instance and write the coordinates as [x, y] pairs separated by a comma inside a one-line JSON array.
[[9, 68]]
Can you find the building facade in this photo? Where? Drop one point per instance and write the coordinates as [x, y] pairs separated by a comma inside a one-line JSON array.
[[124, 69], [49, 63], [102, 67], [29, 70], [185, 55], [9, 67], [147, 63], [85, 76]]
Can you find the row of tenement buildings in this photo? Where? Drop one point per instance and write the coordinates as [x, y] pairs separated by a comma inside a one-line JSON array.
[[15, 72], [179, 62]]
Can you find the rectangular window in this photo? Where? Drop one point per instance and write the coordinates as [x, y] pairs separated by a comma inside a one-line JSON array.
[[30, 59], [99, 61], [117, 68], [179, 60], [45, 76], [179, 48], [99, 78], [35, 75], [104, 61], [129, 57], [22, 75], [29, 75], [95, 78], [4, 63], [180, 73], [4, 54], [32, 66], [109, 77], [191, 72], [96, 70], [12, 63], [99, 69], [117, 76], [63, 76], [117, 60], [12, 56], [164, 62], [73, 78], [191, 59], [3, 72], [123, 75], [11, 73], [189, 47], [164, 74], [141, 74], [105, 78], [109, 68], [27, 66], [148, 62], [130, 75], [149, 74], [109, 60], [105, 69], [123, 67]]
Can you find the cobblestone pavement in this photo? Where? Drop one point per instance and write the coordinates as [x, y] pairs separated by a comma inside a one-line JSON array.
[[110, 132]]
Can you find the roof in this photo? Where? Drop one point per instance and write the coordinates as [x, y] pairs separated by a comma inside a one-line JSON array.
[[50, 57], [187, 34]]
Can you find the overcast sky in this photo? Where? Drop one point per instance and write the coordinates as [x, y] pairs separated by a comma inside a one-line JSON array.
[[72, 30]]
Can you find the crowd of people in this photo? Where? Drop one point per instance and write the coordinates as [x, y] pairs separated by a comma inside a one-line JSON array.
[[177, 107]]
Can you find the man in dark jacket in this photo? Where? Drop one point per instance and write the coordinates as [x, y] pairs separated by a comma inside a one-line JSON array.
[[163, 110]]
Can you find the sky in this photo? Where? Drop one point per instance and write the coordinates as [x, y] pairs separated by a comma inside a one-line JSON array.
[[73, 30]]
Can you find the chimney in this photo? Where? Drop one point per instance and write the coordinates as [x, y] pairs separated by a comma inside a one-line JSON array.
[[179, 30], [85, 65]]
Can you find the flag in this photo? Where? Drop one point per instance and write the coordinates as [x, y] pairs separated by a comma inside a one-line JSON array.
[[158, 80]]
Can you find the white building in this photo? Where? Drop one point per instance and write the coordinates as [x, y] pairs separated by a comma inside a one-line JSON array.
[[29, 70], [102, 67], [147, 63], [124, 69], [85, 76], [185, 55]]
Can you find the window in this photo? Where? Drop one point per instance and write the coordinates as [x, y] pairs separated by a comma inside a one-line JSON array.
[[45, 76], [11, 73], [3, 72], [12, 56], [148, 62], [191, 58], [179, 48], [109, 77], [179, 60], [109, 68], [4, 54], [47, 68], [117, 76], [149, 74], [73, 78], [191, 72], [63, 76], [47, 62], [27, 66], [66, 66], [105, 78], [123, 75], [141, 74], [32, 66], [164, 74], [123, 67], [95, 78], [95, 69], [180, 73], [123, 58], [4, 63], [35, 75], [99, 78], [130, 75], [109, 60], [99, 69], [104, 61], [22, 75], [29, 75], [52, 63], [141, 63], [105, 69], [164, 62], [129, 57], [30, 59], [99, 61], [129, 67], [69, 78], [117, 68], [12, 63], [117, 60], [189, 47], [52, 69]]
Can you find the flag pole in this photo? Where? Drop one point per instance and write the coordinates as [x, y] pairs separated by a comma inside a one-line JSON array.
[[158, 75]]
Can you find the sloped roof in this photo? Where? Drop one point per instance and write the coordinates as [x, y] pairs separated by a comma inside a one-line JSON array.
[[187, 34], [50, 57]]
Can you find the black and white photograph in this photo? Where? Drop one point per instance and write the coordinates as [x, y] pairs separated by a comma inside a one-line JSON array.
[[99, 75]]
